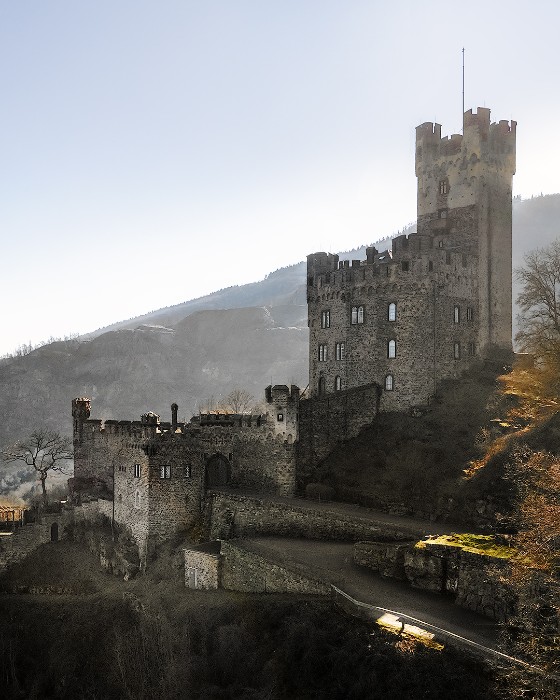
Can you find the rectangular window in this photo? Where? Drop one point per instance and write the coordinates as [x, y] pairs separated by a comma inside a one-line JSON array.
[[325, 319], [405, 266], [469, 313], [442, 187], [322, 353], [122, 468], [137, 471], [457, 351], [471, 349], [280, 417], [165, 471], [340, 351]]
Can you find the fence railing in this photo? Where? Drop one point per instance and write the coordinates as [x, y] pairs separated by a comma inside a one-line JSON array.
[[367, 611]]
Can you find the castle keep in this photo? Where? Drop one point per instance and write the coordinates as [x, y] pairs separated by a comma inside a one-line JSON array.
[[441, 298]]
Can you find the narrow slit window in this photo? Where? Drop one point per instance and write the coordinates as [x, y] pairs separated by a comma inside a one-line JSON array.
[[456, 314], [337, 383], [457, 351]]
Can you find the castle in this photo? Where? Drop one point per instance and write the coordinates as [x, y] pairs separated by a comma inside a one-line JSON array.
[[383, 333], [441, 299]]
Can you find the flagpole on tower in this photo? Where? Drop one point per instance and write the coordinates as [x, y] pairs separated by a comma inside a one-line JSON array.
[[463, 113]]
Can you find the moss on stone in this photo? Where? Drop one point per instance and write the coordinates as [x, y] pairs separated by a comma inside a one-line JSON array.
[[487, 545]]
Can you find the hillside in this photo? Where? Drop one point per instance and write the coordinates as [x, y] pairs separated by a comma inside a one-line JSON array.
[[151, 637], [246, 336]]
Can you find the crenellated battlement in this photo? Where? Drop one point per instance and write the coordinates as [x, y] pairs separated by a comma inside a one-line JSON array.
[[282, 392], [415, 259], [479, 134]]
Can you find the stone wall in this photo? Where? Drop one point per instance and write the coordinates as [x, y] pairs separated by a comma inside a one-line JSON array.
[[246, 570], [386, 558], [203, 566], [327, 420], [235, 515], [475, 581], [16, 545]]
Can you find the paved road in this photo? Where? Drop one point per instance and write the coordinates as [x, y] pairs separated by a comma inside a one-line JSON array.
[[332, 562]]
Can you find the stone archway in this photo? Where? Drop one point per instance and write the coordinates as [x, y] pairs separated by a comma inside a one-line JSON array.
[[217, 471], [54, 532]]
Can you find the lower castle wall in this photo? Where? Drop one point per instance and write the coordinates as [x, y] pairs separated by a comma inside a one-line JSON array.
[[249, 572], [475, 581], [235, 515], [15, 546], [202, 570]]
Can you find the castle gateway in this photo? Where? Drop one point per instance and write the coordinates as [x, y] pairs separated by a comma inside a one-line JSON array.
[[440, 300]]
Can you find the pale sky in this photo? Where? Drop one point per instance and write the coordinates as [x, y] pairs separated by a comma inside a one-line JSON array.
[[153, 151]]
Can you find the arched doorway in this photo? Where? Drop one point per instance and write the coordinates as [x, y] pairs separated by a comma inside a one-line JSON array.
[[217, 471], [54, 532]]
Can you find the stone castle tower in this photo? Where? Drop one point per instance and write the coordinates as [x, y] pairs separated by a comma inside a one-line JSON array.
[[440, 300]]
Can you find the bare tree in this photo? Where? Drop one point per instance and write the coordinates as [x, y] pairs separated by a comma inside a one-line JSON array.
[[44, 450], [539, 302], [240, 401]]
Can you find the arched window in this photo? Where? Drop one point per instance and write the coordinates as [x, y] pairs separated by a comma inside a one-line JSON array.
[[392, 349], [357, 315], [389, 382], [321, 386], [337, 383], [392, 311], [456, 314]]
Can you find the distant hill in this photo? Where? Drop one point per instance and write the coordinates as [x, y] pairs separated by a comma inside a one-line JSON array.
[[246, 336]]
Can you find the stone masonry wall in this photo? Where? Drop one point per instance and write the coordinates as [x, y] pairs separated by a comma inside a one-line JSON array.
[[15, 546], [327, 420], [203, 567], [244, 569], [475, 581], [234, 515]]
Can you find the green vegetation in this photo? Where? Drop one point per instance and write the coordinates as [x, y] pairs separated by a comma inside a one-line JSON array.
[[488, 545]]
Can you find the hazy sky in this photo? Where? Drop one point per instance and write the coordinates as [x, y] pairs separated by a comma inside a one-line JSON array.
[[155, 151]]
